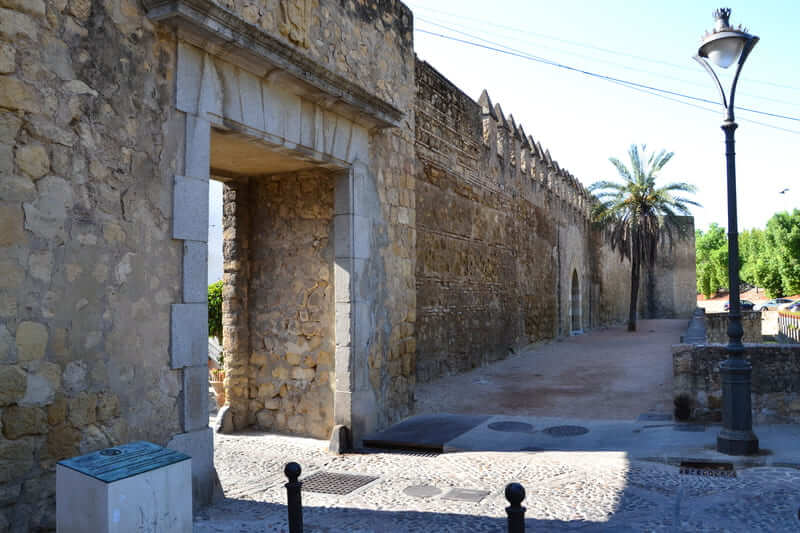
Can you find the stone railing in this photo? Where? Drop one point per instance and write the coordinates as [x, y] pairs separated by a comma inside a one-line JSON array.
[[717, 327], [789, 326]]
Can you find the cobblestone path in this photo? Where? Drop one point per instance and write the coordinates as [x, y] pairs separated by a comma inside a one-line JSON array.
[[566, 491]]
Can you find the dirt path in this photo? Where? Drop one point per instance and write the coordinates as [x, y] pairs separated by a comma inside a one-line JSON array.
[[604, 374]]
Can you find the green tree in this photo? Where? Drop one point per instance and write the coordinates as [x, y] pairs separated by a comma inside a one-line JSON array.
[[711, 253], [215, 310], [637, 214], [782, 240]]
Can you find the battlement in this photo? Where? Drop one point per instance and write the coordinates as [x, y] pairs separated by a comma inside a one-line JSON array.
[[522, 155]]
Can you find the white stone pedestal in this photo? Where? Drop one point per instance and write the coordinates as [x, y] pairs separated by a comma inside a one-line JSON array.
[[134, 487]]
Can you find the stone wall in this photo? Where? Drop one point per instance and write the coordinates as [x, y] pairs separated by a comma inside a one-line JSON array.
[[717, 327], [775, 382], [291, 303], [502, 232], [89, 145]]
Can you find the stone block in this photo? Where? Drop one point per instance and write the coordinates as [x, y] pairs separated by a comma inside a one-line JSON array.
[[31, 340], [190, 209], [195, 272], [16, 459], [189, 335], [188, 77], [199, 445], [14, 25], [343, 324], [14, 385], [351, 236], [8, 55], [43, 381], [11, 223], [198, 147], [33, 160], [194, 398], [340, 440], [21, 421]]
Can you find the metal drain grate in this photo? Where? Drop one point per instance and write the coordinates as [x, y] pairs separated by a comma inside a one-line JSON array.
[[333, 483], [511, 426], [566, 431], [702, 468]]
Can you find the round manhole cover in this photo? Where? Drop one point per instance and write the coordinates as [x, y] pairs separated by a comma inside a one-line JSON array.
[[422, 491], [566, 431], [507, 425]]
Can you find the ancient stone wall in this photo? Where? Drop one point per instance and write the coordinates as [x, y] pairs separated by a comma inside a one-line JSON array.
[[775, 381], [717, 327], [501, 230], [89, 145], [291, 304]]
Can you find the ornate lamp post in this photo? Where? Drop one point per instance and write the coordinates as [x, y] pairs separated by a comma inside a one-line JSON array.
[[725, 46]]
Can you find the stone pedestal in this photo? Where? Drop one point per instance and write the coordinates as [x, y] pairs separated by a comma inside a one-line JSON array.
[[134, 487]]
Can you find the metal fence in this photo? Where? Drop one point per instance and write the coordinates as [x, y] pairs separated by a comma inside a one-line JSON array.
[[515, 493], [789, 325]]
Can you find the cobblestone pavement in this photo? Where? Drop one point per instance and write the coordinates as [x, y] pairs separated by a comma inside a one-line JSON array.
[[566, 491]]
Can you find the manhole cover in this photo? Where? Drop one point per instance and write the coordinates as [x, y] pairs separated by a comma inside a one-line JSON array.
[[566, 431], [422, 491], [465, 495], [333, 483], [400, 451], [512, 427], [702, 468]]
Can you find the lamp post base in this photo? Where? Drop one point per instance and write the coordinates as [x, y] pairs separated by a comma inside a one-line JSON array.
[[737, 442], [736, 436]]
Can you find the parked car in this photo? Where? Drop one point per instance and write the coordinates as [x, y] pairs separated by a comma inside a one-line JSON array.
[[794, 307], [775, 303], [746, 305]]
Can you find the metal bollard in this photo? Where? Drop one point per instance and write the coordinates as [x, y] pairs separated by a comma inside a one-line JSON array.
[[515, 493], [294, 503]]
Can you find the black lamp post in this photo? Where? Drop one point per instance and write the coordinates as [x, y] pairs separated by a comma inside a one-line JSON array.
[[725, 46]]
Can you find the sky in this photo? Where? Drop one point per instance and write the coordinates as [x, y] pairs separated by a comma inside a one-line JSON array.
[[583, 121]]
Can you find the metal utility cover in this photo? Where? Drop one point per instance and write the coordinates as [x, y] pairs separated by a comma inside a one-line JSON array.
[[422, 491], [511, 426], [335, 483], [566, 431], [465, 495], [120, 462]]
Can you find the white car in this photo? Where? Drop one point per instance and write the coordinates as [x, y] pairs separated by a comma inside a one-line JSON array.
[[775, 303]]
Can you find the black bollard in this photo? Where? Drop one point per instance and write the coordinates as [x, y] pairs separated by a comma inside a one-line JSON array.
[[294, 504], [515, 493]]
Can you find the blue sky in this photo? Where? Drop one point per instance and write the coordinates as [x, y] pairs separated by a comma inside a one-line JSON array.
[[583, 121]]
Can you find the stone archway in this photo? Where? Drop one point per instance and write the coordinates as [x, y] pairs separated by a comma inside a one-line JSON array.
[[575, 304]]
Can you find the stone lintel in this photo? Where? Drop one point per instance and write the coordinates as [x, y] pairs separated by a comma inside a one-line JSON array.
[[223, 33]]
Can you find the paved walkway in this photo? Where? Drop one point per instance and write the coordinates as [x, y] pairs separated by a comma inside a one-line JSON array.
[[620, 475], [604, 374], [566, 491]]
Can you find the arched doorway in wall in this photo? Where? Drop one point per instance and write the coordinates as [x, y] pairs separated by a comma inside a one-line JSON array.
[[575, 304]]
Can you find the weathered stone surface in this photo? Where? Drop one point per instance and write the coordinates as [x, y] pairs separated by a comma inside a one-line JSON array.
[[14, 383], [32, 7], [14, 24], [16, 458], [74, 379], [43, 381], [21, 421], [10, 124], [82, 409], [14, 94], [31, 340], [8, 57], [62, 442], [46, 216], [13, 275], [11, 224]]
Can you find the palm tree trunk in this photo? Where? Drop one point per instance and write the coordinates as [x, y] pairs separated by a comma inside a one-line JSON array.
[[635, 267]]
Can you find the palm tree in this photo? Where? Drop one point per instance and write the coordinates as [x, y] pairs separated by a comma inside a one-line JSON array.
[[638, 215]]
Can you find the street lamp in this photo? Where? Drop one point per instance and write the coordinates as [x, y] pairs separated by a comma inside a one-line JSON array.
[[725, 46]]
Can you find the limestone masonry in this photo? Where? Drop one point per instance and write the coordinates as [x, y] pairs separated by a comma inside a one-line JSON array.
[[381, 227]]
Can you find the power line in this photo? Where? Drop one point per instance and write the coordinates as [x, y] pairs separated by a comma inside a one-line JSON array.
[[626, 83], [585, 45], [626, 67]]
